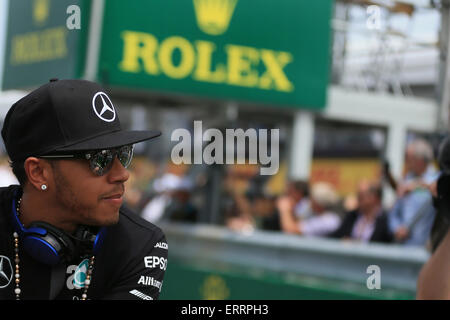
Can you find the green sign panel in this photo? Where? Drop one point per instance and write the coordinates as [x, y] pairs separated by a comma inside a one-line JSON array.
[[43, 41], [184, 280], [264, 51]]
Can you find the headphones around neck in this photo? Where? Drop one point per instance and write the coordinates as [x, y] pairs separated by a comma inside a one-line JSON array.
[[50, 245]]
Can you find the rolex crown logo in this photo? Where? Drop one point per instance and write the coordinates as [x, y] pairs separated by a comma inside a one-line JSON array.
[[214, 288], [213, 16], [40, 11]]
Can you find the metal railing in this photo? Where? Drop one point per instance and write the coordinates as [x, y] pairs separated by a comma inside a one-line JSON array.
[[346, 262]]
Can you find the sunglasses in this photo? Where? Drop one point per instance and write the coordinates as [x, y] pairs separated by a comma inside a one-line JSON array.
[[100, 161]]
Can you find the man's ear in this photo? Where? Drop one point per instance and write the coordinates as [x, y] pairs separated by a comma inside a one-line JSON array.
[[39, 172]]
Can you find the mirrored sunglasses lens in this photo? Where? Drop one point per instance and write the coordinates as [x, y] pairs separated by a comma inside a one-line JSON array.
[[101, 162], [125, 154]]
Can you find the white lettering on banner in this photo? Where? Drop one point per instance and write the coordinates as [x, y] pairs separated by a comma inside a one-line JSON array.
[[140, 295], [162, 245], [150, 281], [155, 261]]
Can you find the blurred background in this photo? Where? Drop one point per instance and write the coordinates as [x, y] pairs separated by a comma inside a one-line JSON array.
[[358, 90]]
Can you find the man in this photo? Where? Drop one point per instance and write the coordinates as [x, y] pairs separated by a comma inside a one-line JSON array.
[[173, 201], [298, 191], [369, 222], [322, 220], [412, 216], [64, 233]]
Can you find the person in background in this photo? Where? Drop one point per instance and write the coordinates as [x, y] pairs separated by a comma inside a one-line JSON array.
[[411, 218], [262, 214], [163, 186], [368, 223], [298, 191], [172, 200], [238, 189], [181, 208], [264, 211], [143, 171], [322, 220]]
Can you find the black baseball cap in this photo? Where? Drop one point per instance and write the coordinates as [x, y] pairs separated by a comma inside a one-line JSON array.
[[65, 116]]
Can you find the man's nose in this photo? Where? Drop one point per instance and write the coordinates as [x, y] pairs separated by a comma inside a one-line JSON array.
[[118, 172]]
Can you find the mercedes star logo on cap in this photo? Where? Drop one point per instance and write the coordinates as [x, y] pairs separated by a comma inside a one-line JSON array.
[[103, 107], [6, 272]]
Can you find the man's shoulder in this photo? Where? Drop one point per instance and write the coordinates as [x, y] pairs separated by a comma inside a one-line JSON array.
[[132, 222], [383, 216], [419, 197], [6, 196], [352, 214], [131, 236], [6, 193], [350, 217]]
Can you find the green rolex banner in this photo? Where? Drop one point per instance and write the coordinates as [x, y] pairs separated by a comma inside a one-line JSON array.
[[263, 51], [45, 39]]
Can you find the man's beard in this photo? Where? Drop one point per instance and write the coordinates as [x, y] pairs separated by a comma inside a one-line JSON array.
[[77, 211]]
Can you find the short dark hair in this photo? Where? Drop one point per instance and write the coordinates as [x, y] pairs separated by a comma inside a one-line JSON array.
[[376, 189], [18, 168], [301, 185]]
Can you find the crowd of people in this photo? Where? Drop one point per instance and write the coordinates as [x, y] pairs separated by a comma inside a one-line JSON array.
[[316, 210], [303, 208]]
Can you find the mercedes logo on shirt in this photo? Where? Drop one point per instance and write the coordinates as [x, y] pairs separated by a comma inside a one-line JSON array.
[[6, 272], [103, 107]]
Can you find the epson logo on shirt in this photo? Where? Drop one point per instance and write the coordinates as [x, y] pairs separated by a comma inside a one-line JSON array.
[[162, 245], [155, 261]]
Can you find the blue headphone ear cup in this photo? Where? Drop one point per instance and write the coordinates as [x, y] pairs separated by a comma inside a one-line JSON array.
[[99, 240], [50, 248]]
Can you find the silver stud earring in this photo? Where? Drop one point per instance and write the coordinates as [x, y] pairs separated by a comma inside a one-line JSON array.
[[44, 187]]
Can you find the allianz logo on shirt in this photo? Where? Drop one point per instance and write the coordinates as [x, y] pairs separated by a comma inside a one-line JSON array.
[[78, 275]]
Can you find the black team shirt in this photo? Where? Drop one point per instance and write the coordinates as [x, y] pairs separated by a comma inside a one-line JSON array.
[[130, 264]]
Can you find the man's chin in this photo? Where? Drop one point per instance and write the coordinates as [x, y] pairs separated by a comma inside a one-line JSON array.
[[111, 220], [105, 220]]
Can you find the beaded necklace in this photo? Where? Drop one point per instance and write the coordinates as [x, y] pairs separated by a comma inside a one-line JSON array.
[[17, 289]]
